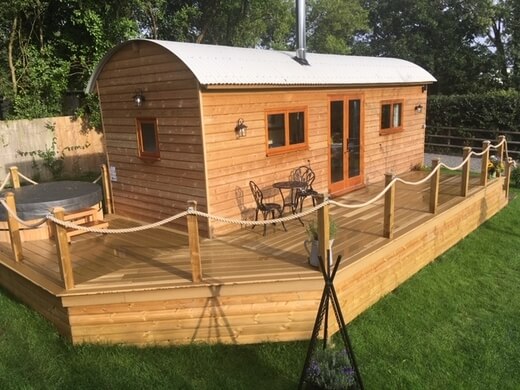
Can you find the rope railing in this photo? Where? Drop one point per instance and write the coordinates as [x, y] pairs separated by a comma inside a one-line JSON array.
[[60, 225], [75, 226], [6, 180], [242, 222], [26, 178], [13, 214]]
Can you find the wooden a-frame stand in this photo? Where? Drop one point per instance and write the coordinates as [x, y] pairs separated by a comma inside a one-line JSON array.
[[329, 294]]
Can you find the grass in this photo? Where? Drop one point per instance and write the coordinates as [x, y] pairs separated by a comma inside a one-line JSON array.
[[456, 324]]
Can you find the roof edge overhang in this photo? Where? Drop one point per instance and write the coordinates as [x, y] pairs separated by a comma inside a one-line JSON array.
[[204, 85], [91, 85], [238, 87]]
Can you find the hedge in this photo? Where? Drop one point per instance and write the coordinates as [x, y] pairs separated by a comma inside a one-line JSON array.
[[494, 110]]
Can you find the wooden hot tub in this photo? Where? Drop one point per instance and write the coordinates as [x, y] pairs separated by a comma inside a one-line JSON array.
[[36, 201]]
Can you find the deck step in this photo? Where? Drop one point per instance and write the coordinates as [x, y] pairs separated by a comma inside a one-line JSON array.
[[91, 224], [82, 213]]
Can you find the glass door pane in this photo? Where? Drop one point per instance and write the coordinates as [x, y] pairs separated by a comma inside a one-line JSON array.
[[337, 140], [354, 138]]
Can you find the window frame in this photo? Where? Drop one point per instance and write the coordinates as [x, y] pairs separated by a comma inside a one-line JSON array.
[[287, 147], [141, 153], [391, 129]]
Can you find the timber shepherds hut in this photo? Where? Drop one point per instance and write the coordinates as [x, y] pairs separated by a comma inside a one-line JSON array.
[[189, 121]]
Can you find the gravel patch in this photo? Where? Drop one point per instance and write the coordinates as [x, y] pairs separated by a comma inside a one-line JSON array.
[[452, 161]]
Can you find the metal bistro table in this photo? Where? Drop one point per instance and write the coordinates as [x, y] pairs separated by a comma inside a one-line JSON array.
[[291, 200]]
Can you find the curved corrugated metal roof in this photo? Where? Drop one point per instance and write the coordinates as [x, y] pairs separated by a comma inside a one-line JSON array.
[[215, 65]]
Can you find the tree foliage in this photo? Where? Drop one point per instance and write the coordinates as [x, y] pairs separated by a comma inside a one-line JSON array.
[[440, 35], [50, 47]]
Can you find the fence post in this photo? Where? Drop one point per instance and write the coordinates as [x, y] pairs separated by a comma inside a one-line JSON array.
[[15, 178], [107, 189], [484, 165], [434, 186], [323, 230], [14, 228], [388, 225], [466, 151], [194, 243], [501, 148], [507, 181], [62, 249]]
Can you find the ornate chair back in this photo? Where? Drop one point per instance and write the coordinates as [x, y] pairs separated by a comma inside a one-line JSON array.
[[257, 194], [305, 174]]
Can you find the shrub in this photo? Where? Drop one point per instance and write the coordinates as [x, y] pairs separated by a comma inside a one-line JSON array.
[[330, 369], [515, 177]]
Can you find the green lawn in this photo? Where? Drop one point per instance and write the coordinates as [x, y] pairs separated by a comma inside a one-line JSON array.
[[456, 324]]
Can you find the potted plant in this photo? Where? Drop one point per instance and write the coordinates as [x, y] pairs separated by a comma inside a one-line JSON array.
[[495, 167], [312, 244], [330, 368]]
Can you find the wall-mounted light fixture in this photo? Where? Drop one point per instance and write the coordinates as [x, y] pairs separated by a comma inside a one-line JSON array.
[[240, 128], [138, 98], [418, 108], [424, 88]]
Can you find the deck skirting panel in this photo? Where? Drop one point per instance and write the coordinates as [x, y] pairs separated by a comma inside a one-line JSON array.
[[363, 283], [44, 302]]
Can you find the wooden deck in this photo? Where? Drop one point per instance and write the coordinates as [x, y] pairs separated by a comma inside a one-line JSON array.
[[137, 287]]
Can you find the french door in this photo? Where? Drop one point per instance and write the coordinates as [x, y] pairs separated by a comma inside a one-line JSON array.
[[346, 143]]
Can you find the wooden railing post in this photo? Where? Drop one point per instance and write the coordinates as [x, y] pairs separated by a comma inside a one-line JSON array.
[[62, 249], [107, 189], [388, 225], [434, 186], [484, 165], [194, 242], [509, 164], [501, 148], [14, 228], [323, 230], [15, 178], [466, 151]]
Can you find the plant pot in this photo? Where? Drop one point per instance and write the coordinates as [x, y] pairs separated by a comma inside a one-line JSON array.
[[312, 248]]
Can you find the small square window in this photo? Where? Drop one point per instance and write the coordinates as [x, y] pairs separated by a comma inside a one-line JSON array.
[[147, 139], [286, 131], [391, 117]]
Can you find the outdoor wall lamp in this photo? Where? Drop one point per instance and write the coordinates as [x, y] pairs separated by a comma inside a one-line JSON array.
[[138, 98], [418, 108], [424, 88], [240, 128]]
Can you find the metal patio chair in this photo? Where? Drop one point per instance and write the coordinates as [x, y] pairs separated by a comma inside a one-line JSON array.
[[306, 175], [266, 208]]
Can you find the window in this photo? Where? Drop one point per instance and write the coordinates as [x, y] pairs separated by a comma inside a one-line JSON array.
[[286, 131], [391, 117], [147, 139]]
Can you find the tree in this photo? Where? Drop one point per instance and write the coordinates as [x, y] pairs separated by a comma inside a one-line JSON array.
[[440, 35], [245, 23], [334, 24], [503, 37], [51, 47]]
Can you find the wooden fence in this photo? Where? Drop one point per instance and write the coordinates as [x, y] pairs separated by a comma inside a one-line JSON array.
[[450, 140]]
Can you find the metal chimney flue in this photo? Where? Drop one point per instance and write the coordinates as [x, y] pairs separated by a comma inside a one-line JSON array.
[[301, 44]]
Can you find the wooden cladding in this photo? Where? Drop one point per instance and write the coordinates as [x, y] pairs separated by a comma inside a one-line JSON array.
[[156, 148]]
